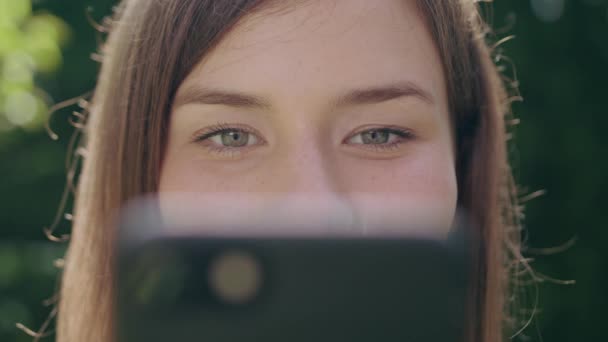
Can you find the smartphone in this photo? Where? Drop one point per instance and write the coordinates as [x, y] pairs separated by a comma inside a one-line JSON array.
[[176, 287]]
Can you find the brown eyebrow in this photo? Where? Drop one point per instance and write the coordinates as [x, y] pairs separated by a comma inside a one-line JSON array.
[[364, 96], [219, 97], [383, 94]]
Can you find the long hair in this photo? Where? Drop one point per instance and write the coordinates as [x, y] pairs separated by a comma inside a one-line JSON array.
[[151, 48]]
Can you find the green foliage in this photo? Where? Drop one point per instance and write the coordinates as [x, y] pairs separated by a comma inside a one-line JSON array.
[[30, 43]]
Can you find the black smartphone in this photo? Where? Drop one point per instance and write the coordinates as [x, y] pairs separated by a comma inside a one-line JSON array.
[[236, 288]]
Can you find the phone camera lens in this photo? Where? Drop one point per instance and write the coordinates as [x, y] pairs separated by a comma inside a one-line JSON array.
[[235, 277]]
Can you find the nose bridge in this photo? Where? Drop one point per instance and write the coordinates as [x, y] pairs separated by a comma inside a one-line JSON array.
[[314, 199], [307, 191], [307, 166]]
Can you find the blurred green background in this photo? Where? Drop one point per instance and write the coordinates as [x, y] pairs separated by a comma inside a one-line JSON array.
[[561, 55]]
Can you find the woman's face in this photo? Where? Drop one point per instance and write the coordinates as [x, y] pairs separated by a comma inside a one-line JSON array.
[[341, 99]]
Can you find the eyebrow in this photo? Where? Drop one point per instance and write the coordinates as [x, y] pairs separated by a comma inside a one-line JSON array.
[[371, 95]]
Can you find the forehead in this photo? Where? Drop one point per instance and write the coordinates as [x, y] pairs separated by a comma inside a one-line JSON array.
[[320, 47]]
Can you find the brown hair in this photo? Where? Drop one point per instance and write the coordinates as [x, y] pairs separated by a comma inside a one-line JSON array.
[[151, 48]]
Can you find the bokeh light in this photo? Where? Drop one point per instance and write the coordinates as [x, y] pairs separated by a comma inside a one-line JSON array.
[[20, 108], [548, 10], [30, 44], [18, 70], [14, 11]]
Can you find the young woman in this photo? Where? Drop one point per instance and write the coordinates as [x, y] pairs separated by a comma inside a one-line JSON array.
[[395, 97]]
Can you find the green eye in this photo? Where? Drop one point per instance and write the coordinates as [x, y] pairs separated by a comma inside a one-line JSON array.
[[234, 138], [227, 140], [231, 140], [375, 137], [381, 136]]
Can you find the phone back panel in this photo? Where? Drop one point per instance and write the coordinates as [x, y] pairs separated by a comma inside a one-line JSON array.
[[335, 289]]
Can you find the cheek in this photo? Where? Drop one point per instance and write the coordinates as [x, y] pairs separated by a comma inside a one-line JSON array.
[[414, 196], [426, 176], [184, 172]]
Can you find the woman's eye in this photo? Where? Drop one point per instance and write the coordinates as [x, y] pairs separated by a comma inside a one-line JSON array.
[[221, 139], [225, 139], [381, 138], [234, 138]]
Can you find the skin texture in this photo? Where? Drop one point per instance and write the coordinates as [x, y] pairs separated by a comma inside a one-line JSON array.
[[305, 148]]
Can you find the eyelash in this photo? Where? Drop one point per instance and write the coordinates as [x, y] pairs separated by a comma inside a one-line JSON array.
[[404, 135], [220, 128]]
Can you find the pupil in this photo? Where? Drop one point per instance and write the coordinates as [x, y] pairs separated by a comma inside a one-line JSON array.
[[234, 139], [375, 137]]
